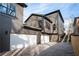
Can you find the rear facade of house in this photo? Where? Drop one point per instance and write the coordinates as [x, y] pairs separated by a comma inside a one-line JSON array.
[[39, 26]]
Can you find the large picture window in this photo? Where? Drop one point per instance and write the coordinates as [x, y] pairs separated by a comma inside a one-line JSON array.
[[8, 8], [54, 27]]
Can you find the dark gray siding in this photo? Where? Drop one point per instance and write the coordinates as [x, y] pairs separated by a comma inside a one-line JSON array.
[[5, 28]]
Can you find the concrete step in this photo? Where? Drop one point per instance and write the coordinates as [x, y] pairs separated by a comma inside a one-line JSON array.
[[26, 51], [11, 53], [2, 53], [8, 53], [16, 52]]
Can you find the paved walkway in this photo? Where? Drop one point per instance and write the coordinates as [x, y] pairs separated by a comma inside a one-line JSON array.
[[60, 49], [49, 49]]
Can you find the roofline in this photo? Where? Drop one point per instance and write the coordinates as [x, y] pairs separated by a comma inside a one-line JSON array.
[[22, 5], [61, 16], [55, 12], [40, 15], [52, 12]]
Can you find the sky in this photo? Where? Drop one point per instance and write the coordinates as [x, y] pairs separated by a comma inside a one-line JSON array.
[[68, 10]]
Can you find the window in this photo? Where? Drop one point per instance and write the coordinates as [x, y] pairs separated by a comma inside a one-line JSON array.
[[7, 8], [47, 25], [3, 10], [40, 22], [54, 27]]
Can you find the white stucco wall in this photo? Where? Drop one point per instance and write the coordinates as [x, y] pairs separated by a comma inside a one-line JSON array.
[[22, 40]]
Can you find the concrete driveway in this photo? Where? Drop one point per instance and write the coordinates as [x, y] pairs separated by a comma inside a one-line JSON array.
[[49, 49]]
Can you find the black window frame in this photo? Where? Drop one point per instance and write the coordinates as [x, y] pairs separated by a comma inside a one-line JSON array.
[[9, 7], [47, 25], [40, 22]]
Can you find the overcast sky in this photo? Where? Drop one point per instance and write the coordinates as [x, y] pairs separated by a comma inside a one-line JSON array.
[[68, 10]]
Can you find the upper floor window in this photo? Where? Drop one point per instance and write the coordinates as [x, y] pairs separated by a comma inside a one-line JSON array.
[[47, 25], [40, 22], [7, 8], [54, 27]]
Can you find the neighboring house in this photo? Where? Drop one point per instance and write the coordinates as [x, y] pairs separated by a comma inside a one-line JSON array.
[[51, 24], [57, 24], [38, 25], [11, 16], [76, 26]]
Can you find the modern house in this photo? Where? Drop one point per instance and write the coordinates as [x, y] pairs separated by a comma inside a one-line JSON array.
[[11, 16], [38, 25], [51, 25], [57, 25]]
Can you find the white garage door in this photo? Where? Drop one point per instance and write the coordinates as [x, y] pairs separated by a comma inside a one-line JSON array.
[[22, 40], [44, 38]]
